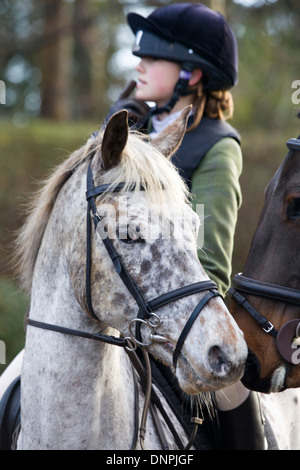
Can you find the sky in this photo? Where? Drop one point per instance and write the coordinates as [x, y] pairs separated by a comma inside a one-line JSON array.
[[250, 3]]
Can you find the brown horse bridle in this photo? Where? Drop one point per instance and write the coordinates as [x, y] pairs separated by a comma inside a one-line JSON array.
[[288, 337]]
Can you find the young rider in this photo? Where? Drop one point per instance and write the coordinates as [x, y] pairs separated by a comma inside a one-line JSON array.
[[188, 56]]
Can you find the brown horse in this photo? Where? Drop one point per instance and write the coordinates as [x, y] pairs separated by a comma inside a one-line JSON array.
[[266, 297]]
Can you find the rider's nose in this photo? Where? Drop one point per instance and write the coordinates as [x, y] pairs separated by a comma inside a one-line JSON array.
[[139, 67]]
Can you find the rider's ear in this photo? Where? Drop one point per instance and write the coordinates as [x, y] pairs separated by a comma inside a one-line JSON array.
[[169, 140], [196, 77], [114, 140]]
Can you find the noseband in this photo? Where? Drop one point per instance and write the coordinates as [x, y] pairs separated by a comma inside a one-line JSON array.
[[146, 309], [288, 337]]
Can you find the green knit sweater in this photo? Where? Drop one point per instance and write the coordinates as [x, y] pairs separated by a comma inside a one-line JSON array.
[[215, 183]]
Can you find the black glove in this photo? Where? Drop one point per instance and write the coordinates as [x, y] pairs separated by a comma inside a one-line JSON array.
[[137, 109]]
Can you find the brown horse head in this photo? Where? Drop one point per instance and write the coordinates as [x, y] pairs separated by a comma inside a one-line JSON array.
[[266, 298]]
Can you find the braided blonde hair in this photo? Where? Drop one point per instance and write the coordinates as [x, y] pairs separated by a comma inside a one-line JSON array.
[[213, 104]]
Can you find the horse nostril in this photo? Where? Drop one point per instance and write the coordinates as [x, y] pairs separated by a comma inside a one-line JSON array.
[[219, 361]]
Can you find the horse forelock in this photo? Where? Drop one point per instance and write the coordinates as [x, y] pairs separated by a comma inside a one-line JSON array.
[[142, 164]]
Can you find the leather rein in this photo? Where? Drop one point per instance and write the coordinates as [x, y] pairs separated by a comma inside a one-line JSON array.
[[146, 312]]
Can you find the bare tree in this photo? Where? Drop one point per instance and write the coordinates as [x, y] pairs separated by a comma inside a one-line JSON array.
[[219, 5], [55, 61]]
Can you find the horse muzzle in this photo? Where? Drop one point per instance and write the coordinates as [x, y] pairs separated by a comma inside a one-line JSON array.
[[252, 380]]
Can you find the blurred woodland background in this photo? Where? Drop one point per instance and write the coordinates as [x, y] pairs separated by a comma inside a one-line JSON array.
[[62, 64]]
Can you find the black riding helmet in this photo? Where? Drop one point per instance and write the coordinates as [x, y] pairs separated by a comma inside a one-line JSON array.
[[193, 35]]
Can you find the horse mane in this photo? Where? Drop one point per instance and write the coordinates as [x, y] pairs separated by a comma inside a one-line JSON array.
[[144, 164]]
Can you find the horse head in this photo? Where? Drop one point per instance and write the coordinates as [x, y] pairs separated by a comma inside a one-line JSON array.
[[153, 230], [269, 287], [109, 254]]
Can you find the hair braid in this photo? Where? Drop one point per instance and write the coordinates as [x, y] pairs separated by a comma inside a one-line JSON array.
[[213, 104]]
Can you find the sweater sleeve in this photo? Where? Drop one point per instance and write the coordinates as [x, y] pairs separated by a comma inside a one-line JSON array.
[[215, 185]]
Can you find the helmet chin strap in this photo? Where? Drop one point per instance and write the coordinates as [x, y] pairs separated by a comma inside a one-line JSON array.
[[181, 89]]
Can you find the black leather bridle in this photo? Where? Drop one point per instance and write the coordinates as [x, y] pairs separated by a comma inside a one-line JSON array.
[[245, 285], [146, 309], [288, 337], [146, 315]]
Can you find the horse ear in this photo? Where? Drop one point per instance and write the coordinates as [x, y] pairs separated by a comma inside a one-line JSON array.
[[114, 140], [169, 140]]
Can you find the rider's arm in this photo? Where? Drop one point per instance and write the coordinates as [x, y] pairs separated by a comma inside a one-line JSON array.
[[215, 184]]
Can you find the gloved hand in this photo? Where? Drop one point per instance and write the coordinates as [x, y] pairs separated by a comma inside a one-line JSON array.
[[137, 109]]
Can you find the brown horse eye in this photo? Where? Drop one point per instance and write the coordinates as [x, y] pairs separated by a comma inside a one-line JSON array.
[[293, 210]]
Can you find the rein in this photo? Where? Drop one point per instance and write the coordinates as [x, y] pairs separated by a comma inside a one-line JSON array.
[[146, 315]]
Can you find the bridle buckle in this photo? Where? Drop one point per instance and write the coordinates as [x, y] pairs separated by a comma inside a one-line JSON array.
[[269, 328]]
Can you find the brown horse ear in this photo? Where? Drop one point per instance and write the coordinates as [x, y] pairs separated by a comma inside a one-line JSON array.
[[169, 140], [114, 140]]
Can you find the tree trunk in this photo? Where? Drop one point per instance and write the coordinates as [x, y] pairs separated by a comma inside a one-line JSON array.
[[54, 62], [219, 5], [82, 105]]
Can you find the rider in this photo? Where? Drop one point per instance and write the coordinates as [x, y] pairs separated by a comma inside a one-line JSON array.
[[188, 56]]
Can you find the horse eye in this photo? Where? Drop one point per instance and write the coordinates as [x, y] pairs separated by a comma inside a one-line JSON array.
[[130, 235], [293, 210]]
